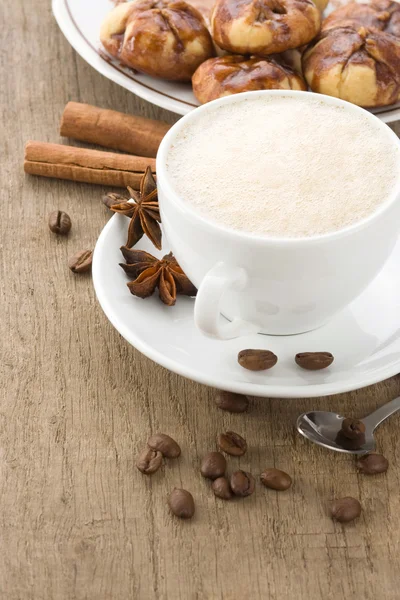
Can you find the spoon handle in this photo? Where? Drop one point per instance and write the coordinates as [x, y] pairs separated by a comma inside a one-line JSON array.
[[382, 413]]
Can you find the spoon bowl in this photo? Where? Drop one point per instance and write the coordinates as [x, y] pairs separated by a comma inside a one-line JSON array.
[[323, 428]]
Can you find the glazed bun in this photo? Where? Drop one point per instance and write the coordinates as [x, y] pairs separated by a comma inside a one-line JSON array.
[[161, 38], [264, 27], [379, 15], [357, 55], [232, 74]]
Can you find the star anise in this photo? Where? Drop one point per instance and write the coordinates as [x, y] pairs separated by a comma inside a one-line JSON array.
[[143, 210], [150, 273]]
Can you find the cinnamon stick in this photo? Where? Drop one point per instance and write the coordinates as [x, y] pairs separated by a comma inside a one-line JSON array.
[[88, 166], [112, 129]]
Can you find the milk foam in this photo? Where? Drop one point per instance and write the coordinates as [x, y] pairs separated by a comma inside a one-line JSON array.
[[286, 167]]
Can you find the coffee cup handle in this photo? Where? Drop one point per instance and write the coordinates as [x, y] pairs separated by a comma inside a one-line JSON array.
[[207, 314]]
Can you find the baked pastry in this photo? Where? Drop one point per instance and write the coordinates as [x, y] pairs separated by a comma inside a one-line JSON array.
[[163, 38], [232, 74], [264, 27], [379, 15], [355, 57], [321, 4]]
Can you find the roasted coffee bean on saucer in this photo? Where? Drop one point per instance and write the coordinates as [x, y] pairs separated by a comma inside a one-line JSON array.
[[257, 360], [314, 361]]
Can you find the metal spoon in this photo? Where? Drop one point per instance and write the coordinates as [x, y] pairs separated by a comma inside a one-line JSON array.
[[322, 427]]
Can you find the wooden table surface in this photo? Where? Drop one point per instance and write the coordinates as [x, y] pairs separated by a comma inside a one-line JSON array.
[[77, 520]]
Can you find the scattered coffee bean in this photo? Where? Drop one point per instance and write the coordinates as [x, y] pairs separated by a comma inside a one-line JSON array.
[[353, 429], [257, 360], [164, 444], [181, 503], [242, 483], [222, 488], [345, 509], [232, 443], [234, 403], [213, 465], [59, 222], [81, 262], [314, 361], [112, 199], [372, 464], [149, 461], [276, 479]]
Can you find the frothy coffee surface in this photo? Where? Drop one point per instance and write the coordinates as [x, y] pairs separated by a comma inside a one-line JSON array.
[[284, 167]]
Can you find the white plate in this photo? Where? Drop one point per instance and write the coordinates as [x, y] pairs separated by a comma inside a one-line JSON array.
[[80, 21], [365, 338]]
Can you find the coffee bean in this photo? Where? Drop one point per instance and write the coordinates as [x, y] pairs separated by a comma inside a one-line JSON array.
[[234, 403], [348, 444], [314, 361], [232, 443], [257, 360], [149, 461], [164, 444], [242, 483], [113, 199], [353, 429], [213, 465], [371, 464], [276, 479], [81, 262], [345, 509], [222, 488], [181, 503], [59, 222]]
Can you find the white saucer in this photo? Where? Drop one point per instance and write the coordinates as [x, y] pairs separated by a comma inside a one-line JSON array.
[[365, 338]]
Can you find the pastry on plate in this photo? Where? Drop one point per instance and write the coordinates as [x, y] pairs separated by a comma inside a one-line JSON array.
[[321, 4], [158, 37], [232, 74], [264, 27], [354, 62], [379, 15]]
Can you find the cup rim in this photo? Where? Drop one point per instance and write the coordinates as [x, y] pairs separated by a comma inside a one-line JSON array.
[[164, 181]]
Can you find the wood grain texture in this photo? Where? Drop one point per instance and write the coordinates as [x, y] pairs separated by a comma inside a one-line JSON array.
[[77, 520]]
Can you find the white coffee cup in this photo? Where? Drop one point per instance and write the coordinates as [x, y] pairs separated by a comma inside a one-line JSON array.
[[276, 286]]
